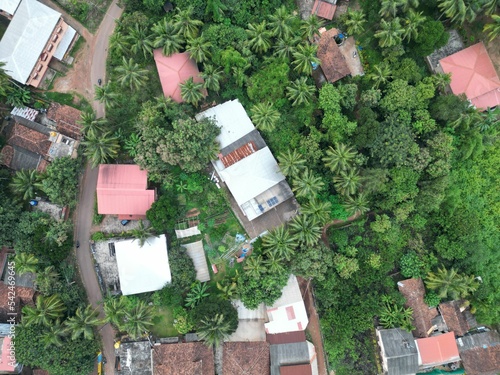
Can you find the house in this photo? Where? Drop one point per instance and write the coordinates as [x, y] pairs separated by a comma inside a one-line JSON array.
[[480, 353], [473, 74], [142, 269], [437, 350], [35, 35], [414, 292], [133, 358], [8, 8], [245, 358], [174, 70], [288, 313], [8, 363], [324, 9], [291, 354], [246, 165], [33, 140], [193, 358], [333, 65], [122, 190], [453, 45], [457, 317], [399, 351]]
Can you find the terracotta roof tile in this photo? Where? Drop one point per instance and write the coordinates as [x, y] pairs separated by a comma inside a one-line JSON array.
[[6, 155], [455, 320], [413, 290], [246, 358], [286, 338], [66, 119], [333, 62], [323, 9], [29, 139], [484, 357], [296, 370], [193, 358]]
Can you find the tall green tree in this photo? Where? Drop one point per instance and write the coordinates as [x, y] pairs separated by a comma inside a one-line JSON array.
[[285, 47], [131, 74], [300, 92], [305, 229], [25, 263], [106, 95], [191, 91], [119, 42], [355, 22], [341, 158], [280, 242], [259, 37], [291, 162], [91, 125], [318, 209], [216, 9], [54, 335], [26, 183], [167, 37], [357, 204], [83, 323], [140, 41], [61, 181], [265, 116], [214, 330], [138, 320], [114, 309], [101, 148], [45, 311], [390, 33], [310, 27], [347, 182], [187, 25], [212, 77], [459, 11], [389, 8], [380, 75], [280, 23], [142, 233], [304, 57], [493, 29], [412, 24], [448, 283], [307, 185], [46, 280], [199, 49]]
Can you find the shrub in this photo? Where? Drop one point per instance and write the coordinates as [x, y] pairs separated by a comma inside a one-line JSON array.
[[411, 265], [432, 299]]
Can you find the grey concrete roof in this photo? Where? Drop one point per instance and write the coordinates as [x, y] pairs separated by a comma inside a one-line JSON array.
[[134, 358], [288, 354], [399, 350], [26, 37]]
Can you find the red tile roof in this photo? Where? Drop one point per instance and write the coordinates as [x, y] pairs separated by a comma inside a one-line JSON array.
[[66, 119], [246, 358], [438, 350], [29, 139], [174, 70], [121, 190], [483, 357], [296, 370], [6, 155], [238, 154], [473, 74], [193, 358], [24, 296], [333, 62], [323, 9], [455, 319], [413, 290], [286, 338]]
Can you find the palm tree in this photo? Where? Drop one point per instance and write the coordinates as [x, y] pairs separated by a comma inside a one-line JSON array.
[[459, 11], [131, 144], [197, 293], [280, 23], [274, 263], [259, 38], [138, 319], [300, 92], [191, 91], [355, 22], [101, 148], [25, 263], [216, 9], [118, 42], [304, 57], [26, 184], [45, 311], [389, 8], [254, 266], [380, 74], [212, 77], [291, 162], [412, 24], [114, 309], [91, 126], [441, 81], [407, 4], [238, 73], [306, 230], [131, 74], [280, 242], [285, 47], [186, 24], [142, 233], [310, 27], [214, 330], [493, 29], [340, 158], [490, 6], [390, 33], [198, 49], [449, 283], [466, 119], [319, 210], [83, 323], [105, 95], [348, 182], [140, 40], [54, 335], [394, 316], [167, 37], [357, 205], [264, 116], [489, 119], [307, 185], [46, 279]]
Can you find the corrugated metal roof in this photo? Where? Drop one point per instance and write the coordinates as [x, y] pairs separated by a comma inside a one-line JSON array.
[[26, 37], [63, 46], [9, 6]]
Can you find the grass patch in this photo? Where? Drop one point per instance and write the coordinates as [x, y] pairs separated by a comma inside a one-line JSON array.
[[163, 323], [78, 45], [67, 99], [90, 14], [96, 218]]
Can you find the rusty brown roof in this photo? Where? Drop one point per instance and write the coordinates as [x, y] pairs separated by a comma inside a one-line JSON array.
[[296, 370], [66, 119], [323, 9], [333, 62], [238, 154], [246, 358], [29, 139], [192, 358], [286, 338], [455, 319], [480, 353], [413, 290]]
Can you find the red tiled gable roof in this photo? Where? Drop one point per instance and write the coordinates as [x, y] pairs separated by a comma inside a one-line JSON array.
[[473, 74], [296, 370], [66, 119], [122, 190], [413, 290], [29, 139], [193, 358], [6, 155], [238, 154], [455, 319], [438, 350], [286, 338], [24, 296], [174, 70], [333, 62], [323, 9], [246, 358]]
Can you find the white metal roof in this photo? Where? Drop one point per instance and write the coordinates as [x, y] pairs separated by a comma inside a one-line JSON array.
[[143, 269], [64, 43], [231, 118], [9, 6], [26, 37], [252, 175]]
